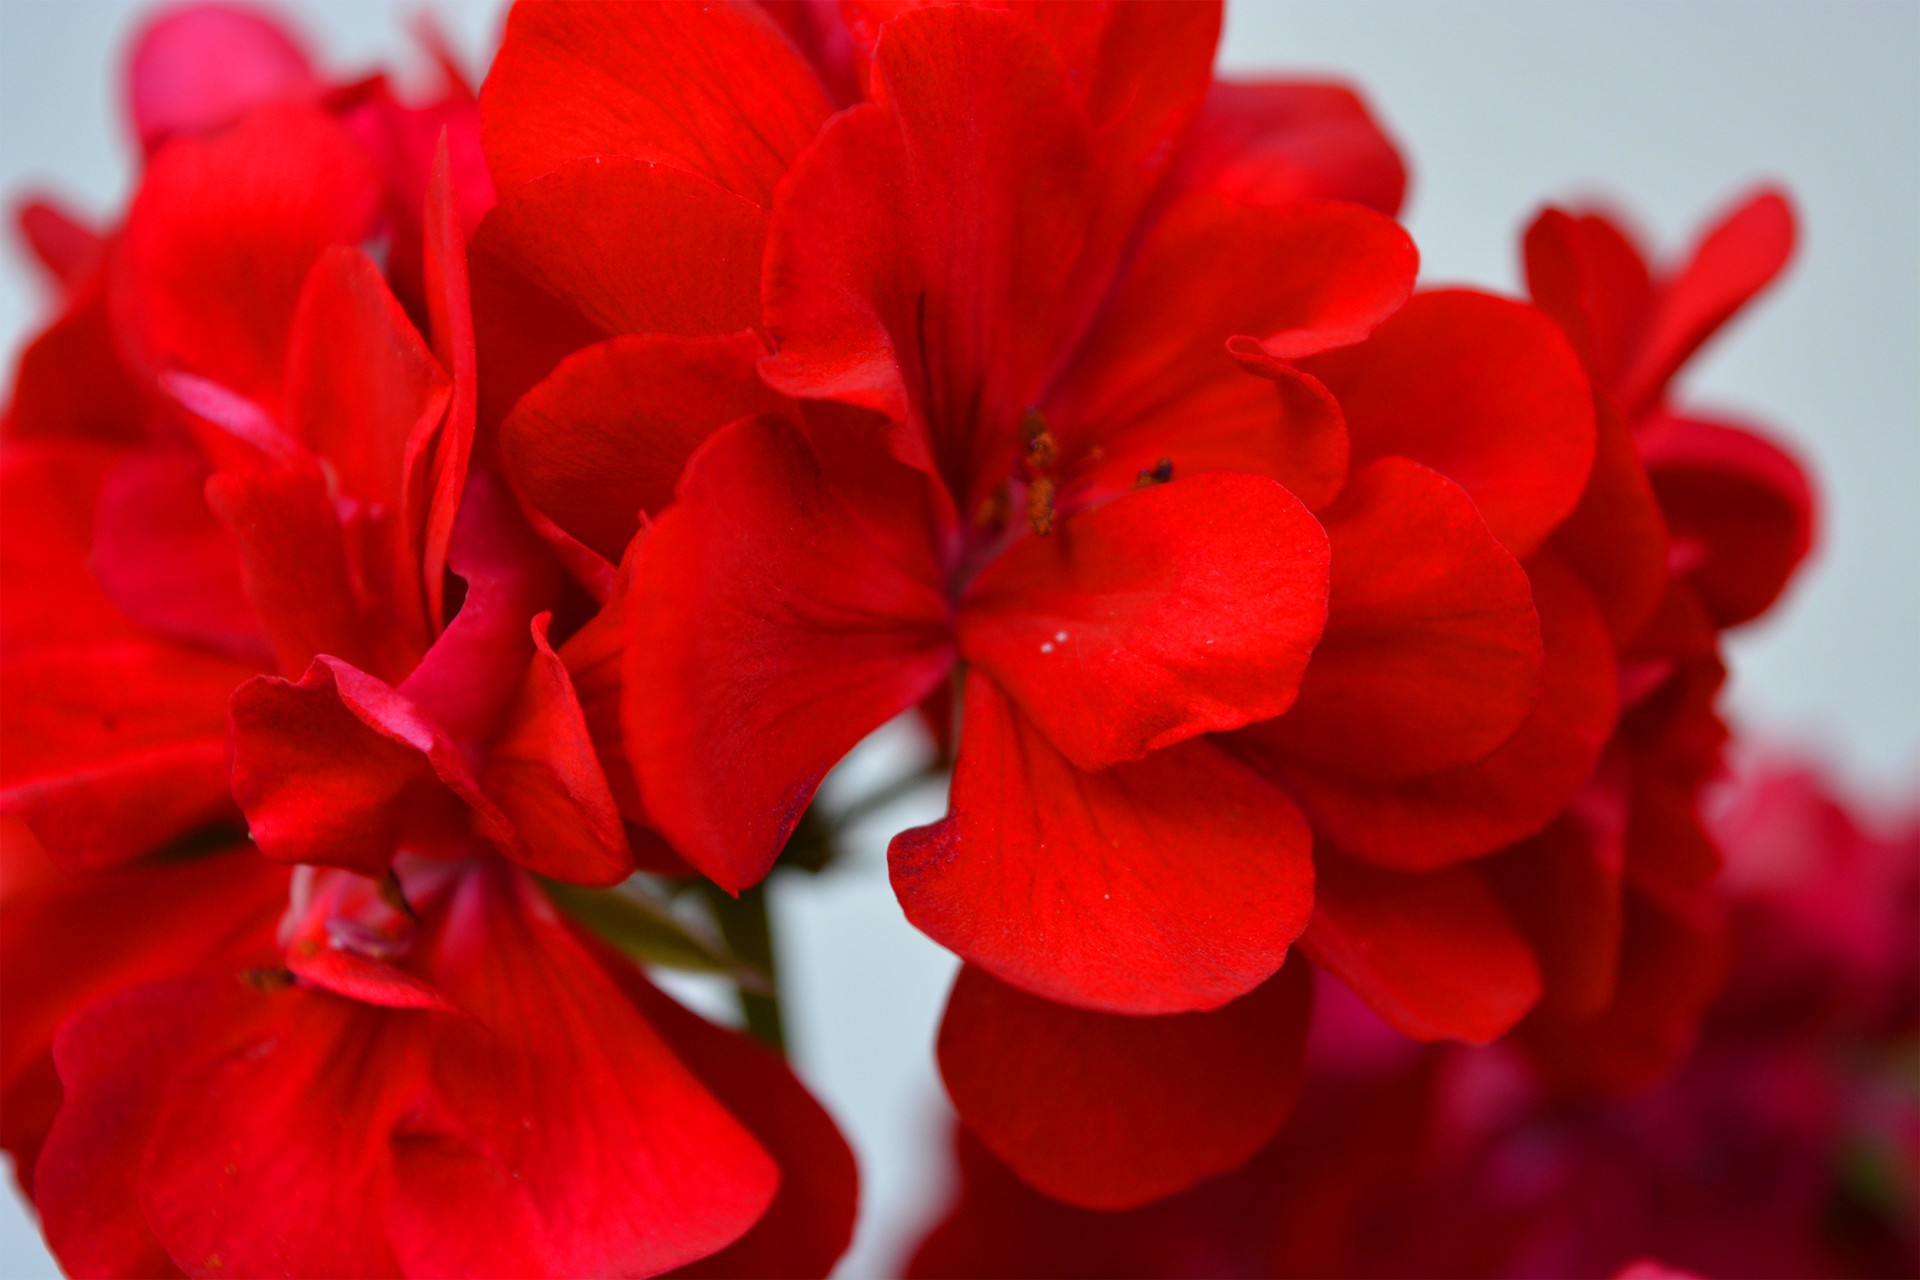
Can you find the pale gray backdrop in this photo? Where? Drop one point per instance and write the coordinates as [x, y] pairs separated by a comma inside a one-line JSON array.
[[1669, 106]]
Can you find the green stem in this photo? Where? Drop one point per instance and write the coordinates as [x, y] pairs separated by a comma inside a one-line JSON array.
[[749, 935]]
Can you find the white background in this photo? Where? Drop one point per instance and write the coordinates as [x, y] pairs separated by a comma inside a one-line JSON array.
[[1667, 107]]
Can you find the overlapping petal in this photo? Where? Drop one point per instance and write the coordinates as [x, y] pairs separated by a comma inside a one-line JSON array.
[[496, 1110], [1168, 884], [1734, 260], [1739, 509], [1432, 650], [1159, 353], [1176, 610], [1483, 390], [1273, 142], [1111, 1111], [116, 747], [1430, 821], [1431, 952], [603, 246], [198, 67], [603, 439], [769, 633], [715, 90], [911, 270], [220, 237]]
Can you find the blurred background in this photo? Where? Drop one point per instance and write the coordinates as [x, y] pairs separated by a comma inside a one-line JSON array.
[[1666, 108]]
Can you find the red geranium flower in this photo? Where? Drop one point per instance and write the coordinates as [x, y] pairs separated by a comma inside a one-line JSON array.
[[989, 330], [1693, 526], [1601, 931], [971, 465], [420, 1035], [1437, 722], [1786, 1145]]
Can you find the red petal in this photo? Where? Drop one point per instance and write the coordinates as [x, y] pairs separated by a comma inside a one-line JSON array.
[[1277, 422], [70, 939], [810, 1222], [1110, 1111], [1585, 272], [713, 89], [361, 394], [1276, 142], [163, 558], [272, 1144], [606, 435], [557, 1074], [1329, 273], [339, 767], [86, 1185], [116, 748], [342, 934], [293, 564], [1670, 968], [915, 266], [602, 247], [59, 240], [819, 31], [1173, 611], [1563, 888], [469, 677], [360, 382], [1485, 391], [1431, 952], [543, 774], [52, 487], [593, 656], [71, 381], [1138, 71], [431, 508], [769, 634], [1160, 886], [1739, 507], [1616, 539], [1432, 652], [1430, 821], [196, 68], [221, 234], [1142, 70], [1732, 262]]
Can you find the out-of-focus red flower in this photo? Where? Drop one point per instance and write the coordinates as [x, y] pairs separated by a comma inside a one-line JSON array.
[[1691, 525], [488, 1066], [1785, 1146], [193, 70]]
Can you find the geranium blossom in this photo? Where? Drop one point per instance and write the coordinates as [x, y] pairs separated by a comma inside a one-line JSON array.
[[1787, 1144], [1599, 927], [404, 1031], [424, 516], [1001, 396]]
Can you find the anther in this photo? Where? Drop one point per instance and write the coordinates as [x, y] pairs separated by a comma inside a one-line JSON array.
[[1041, 449], [267, 979], [1040, 506], [992, 511], [394, 896], [1159, 473]]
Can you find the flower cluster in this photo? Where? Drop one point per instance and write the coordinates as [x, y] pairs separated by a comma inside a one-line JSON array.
[[428, 520], [1788, 1144]]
